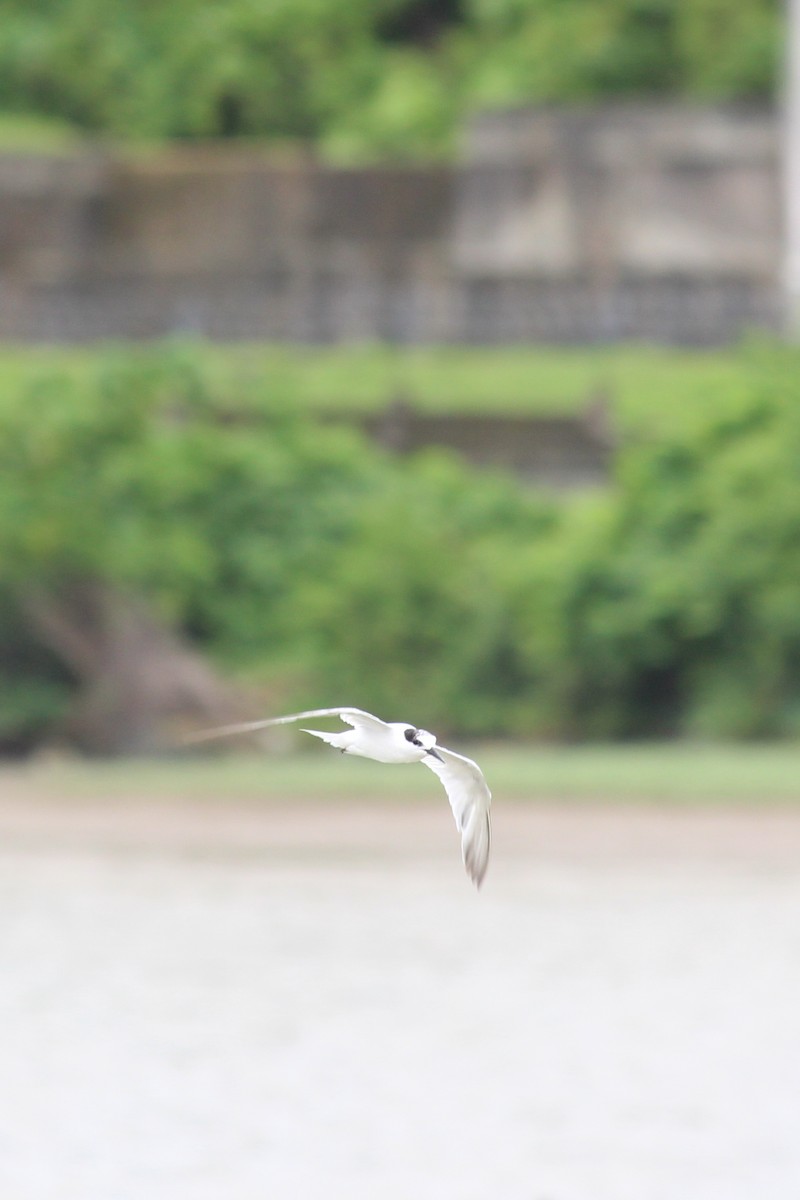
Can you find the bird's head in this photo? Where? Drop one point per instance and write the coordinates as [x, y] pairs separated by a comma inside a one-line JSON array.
[[424, 740]]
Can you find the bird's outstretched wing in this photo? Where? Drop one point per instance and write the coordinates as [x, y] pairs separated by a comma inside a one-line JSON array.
[[470, 800], [351, 716]]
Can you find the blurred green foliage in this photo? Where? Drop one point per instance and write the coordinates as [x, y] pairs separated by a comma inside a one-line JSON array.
[[371, 78], [306, 561]]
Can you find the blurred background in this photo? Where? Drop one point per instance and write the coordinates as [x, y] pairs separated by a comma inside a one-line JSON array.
[[440, 359]]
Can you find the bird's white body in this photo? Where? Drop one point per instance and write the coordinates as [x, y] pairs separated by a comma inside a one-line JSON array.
[[400, 742], [384, 743]]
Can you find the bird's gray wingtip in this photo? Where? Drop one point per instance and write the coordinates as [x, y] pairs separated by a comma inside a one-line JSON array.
[[476, 852]]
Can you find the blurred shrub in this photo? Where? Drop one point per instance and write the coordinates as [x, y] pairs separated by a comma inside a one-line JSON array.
[[304, 559], [414, 612], [673, 604], [371, 77], [292, 551], [34, 689], [669, 605]]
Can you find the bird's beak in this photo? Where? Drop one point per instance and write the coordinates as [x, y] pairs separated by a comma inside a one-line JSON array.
[[436, 754]]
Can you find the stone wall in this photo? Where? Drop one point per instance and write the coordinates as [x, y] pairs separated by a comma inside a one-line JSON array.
[[553, 452], [222, 243], [585, 225], [659, 223]]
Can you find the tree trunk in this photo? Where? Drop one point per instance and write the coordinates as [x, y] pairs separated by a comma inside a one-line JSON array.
[[141, 686]]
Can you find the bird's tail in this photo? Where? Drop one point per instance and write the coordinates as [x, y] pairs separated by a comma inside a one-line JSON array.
[[339, 740]]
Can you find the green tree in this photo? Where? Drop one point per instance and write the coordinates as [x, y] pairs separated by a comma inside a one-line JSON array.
[[373, 78]]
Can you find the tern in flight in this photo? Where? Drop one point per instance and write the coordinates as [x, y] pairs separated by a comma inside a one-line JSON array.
[[399, 742]]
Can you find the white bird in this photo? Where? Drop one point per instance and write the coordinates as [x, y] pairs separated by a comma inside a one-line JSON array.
[[399, 742]]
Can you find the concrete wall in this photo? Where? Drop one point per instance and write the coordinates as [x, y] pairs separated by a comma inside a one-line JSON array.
[[559, 226], [552, 452], [219, 242], [660, 223]]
